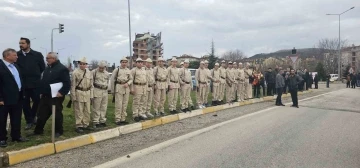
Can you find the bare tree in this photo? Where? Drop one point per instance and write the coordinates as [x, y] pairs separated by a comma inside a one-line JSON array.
[[233, 55], [94, 64], [329, 53]]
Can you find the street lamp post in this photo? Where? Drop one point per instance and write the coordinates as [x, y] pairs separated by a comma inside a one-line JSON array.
[[339, 45], [130, 35]]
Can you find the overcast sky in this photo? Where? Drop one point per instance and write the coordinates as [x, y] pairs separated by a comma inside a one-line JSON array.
[[98, 29]]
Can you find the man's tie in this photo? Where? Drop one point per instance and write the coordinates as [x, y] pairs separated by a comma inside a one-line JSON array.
[[16, 75]]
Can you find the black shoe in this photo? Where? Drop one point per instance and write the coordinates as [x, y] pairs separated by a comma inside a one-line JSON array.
[[97, 126], [162, 114], [193, 108], [174, 112], [28, 126], [57, 135], [103, 125], [88, 128], [184, 110], [20, 140], [79, 130], [282, 104], [188, 110], [136, 119], [122, 123], [3, 144]]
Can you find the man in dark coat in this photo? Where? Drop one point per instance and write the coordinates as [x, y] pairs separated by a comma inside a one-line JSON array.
[[31, 64], [270, 80], [11, 96], [307, 79], [54, 73], [316, 81], [294, 81]]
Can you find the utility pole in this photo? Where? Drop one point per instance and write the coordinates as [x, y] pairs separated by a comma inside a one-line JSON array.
[[131, 57], [339, 45]]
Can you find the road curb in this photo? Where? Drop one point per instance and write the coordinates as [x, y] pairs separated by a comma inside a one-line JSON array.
[[30, 153], [151, 123], [4, 159], [104, 135], [72, 143], [169, 119], [15, 157], [127, 129]]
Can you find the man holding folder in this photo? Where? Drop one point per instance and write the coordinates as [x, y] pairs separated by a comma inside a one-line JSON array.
[[54, 73]]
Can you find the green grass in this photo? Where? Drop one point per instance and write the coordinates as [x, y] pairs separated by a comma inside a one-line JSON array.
[[69, 124]]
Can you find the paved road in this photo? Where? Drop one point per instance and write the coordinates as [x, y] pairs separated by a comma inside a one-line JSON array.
[[95, 154], [323, 132]]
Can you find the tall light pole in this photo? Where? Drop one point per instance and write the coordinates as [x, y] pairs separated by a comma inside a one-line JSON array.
[[339, 45], [130, 36]]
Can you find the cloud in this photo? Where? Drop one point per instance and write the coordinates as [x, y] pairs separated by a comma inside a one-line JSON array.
[[100, 30]]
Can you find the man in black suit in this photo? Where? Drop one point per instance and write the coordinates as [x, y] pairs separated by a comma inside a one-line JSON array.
[[11, 96], [54, 73], [31, 64]]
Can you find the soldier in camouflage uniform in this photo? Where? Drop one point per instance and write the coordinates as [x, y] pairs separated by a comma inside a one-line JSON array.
[[138, 90], [186, 86], [81, 95], [120, 82], [160, 75], [150, 88], [100, 92]]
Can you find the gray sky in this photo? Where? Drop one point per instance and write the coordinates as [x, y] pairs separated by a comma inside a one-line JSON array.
[[98, 29]]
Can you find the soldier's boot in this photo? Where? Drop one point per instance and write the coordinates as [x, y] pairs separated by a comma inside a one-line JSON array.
[[162, 113], [184, 110], [136, 119], [157, 114], [149, 115], [192, 108], [143, 117]]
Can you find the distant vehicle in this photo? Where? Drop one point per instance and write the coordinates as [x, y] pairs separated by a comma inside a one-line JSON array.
[[334, 77]]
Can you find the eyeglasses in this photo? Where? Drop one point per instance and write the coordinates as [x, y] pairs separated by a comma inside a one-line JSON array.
[[82, 64]]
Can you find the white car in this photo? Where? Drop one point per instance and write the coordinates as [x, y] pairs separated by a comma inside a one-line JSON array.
[[334, 77]]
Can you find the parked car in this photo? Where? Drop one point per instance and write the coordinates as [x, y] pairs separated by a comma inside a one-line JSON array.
[[334, 77]]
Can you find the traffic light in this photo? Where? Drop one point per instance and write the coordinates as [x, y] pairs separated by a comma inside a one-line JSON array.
[[61, 28]]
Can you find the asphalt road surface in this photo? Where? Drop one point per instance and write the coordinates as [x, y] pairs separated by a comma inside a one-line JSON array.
[[259, 142], [323, 132]]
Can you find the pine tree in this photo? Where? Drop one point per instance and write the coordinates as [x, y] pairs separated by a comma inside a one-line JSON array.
[[321, 71], [212, 58]]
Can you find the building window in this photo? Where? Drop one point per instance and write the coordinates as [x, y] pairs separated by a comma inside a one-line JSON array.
[[353, 59], [142, 45], [353, 54]]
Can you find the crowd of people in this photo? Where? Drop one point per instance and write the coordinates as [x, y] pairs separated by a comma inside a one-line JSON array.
[[352, 80], [25, 86]]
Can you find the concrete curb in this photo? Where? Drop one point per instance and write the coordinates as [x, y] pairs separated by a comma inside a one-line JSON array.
[[127, 129], [169, 119], [15, 157], [104, 135], [72, 143], [31, 153]]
